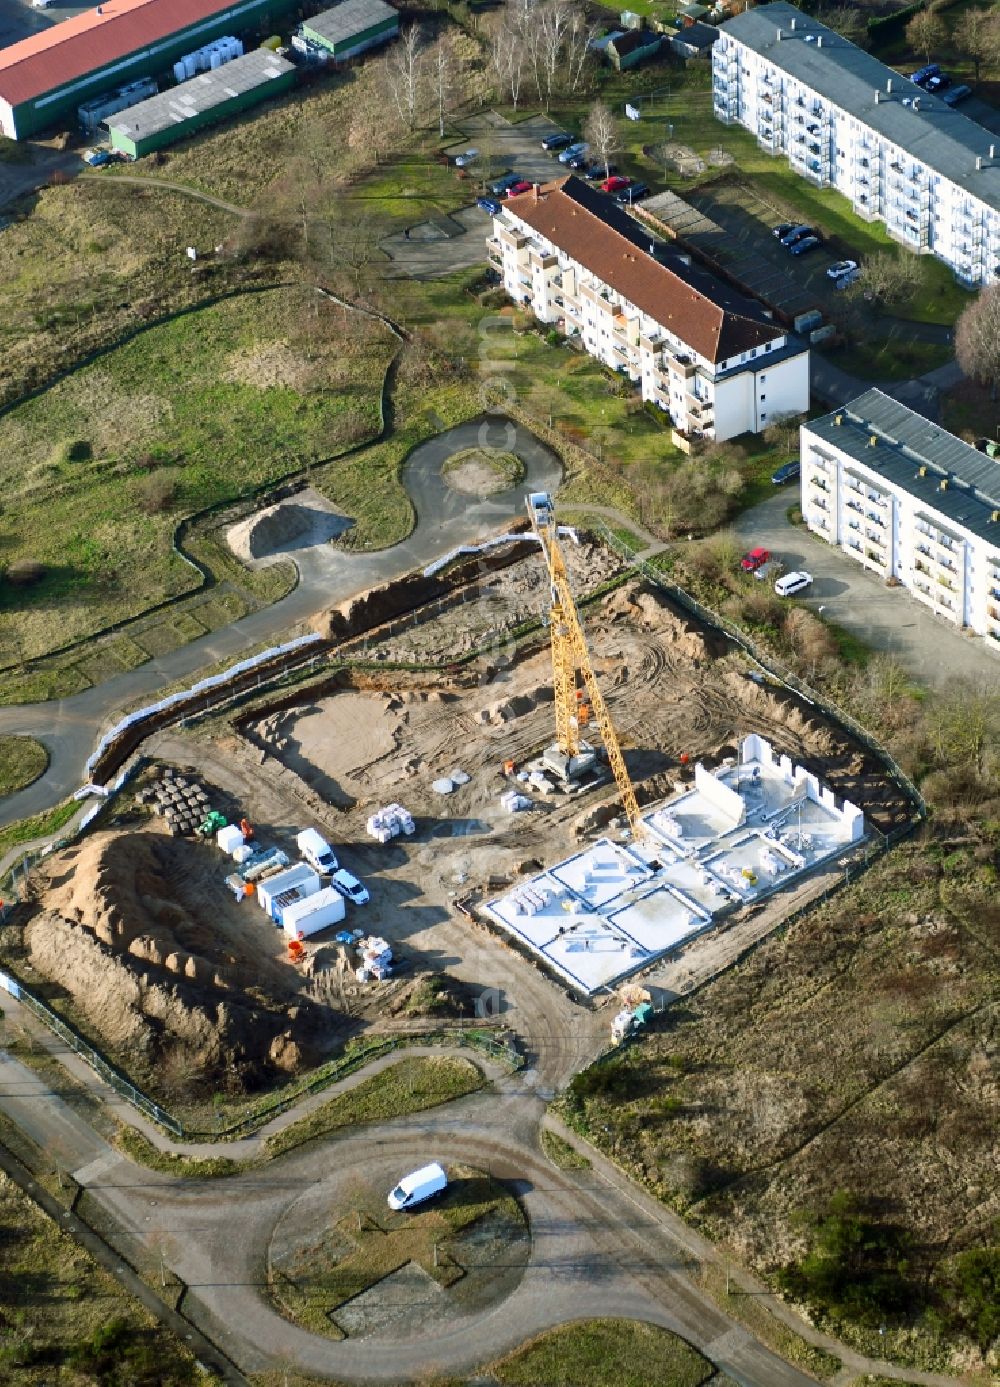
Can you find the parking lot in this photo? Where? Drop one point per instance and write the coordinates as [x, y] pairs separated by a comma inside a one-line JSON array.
[[749, 222], [430, 249]]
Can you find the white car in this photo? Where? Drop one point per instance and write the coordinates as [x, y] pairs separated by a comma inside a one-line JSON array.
[[792, 583], [841, 268], [469, 157], [350, 888]]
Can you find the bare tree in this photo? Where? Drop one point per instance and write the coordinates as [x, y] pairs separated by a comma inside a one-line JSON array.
[[977, 339], [600, 130], [404, 74], [444, 71], [375, 122], [925, 32], [887, 278], [977, 33], [507, 60], [847, 20]]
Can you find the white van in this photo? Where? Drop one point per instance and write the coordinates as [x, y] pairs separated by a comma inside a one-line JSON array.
[[420, 1185], [316, 851], [792, 583]]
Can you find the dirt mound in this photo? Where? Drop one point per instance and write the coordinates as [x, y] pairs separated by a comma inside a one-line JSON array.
[[144, 971], [300, 524]]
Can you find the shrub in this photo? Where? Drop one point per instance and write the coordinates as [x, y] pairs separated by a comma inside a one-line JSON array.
[[856, 1269], [71, 450]]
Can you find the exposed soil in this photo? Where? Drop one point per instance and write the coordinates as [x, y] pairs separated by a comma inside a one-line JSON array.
[[307, 520], [477, 472], [161, 961]]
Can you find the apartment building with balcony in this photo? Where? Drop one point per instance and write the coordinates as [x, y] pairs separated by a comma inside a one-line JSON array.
[[708, 356], [846, 121], [909, 501]]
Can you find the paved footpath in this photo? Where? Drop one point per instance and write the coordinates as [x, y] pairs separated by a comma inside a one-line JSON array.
[[600, 1245], [444, 519]]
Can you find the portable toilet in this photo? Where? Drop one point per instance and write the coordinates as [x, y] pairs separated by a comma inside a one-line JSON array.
[[179, 73]]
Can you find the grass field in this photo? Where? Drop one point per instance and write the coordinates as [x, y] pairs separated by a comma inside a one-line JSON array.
[[849, 1053], [412, 1085], [98, 469], [22, 760], [38, 826], [65, 1318], [604, 1353]]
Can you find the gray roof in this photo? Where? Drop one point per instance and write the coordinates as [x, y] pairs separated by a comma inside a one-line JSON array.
[[178, 104], [939, 137], [349, 18], [906, 442]]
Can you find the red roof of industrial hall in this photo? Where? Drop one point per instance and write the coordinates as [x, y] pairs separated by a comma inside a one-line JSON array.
[[88, 41], [589, 226]]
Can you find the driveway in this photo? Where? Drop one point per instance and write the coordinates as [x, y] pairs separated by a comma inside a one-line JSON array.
[[69, 728], [887, 619]]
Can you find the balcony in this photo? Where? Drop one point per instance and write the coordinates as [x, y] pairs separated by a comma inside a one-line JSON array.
[[494, 254]]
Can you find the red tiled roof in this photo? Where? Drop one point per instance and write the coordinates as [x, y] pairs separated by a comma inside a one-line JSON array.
[[707, 315], [77, 46]]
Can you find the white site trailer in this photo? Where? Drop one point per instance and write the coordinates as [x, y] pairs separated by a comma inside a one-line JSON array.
[[276, 893], [313, 913]]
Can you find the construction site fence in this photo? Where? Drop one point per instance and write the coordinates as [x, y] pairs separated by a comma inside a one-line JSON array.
[[86, 1051], [475, 1037], [774, 670]]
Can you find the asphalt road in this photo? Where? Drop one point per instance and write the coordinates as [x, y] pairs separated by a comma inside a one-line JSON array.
[[887, 619], [445, 518]]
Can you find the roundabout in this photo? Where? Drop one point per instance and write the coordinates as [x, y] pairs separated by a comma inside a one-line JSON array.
[[341, 1263]]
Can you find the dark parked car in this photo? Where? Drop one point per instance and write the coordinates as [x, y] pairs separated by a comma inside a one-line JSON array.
[[938, 82], [924, 74], [558, 141], [635, 192], [597, 173], [488, 204], [957, 94], [802, 246], [782, 229], [787, 472], [796, 234], [500, 185]]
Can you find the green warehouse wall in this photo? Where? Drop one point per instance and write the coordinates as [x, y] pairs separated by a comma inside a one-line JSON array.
[[232, 107], [364, 38], [60, 104]]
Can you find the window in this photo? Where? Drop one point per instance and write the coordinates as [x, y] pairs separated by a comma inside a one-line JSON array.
[[763, 415], [762, 380], [763, 398]]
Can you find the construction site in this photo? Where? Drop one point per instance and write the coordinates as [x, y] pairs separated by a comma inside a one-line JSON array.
[[531, 762]]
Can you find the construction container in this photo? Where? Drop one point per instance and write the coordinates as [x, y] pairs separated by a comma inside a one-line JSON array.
[[277, 893], [313, 913]]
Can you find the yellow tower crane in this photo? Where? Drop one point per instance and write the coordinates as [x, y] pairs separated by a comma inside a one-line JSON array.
[[571, 755]]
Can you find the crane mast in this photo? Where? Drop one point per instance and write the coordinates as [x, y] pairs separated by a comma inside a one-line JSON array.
[[570, 659]]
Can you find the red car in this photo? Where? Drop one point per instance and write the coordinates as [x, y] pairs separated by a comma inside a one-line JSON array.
[[757, 558], [615, 183], [516, 189]]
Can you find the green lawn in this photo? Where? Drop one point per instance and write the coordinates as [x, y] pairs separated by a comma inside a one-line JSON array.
[[98, 469], [604, 1353], [38, 826], [22, 760]]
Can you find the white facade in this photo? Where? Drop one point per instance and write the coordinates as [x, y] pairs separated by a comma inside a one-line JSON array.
[[889, 513], [846, 121], [705, 398]]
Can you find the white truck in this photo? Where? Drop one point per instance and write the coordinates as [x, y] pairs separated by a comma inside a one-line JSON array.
[[316, 851]]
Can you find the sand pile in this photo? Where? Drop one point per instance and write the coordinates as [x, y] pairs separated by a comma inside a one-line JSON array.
[[139, 967], [301, 523]]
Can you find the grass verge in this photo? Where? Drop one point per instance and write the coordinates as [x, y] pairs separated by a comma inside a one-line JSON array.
[[38, 826], [412, 1085], [561, 1154], [604, 1353], [22, 761]]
